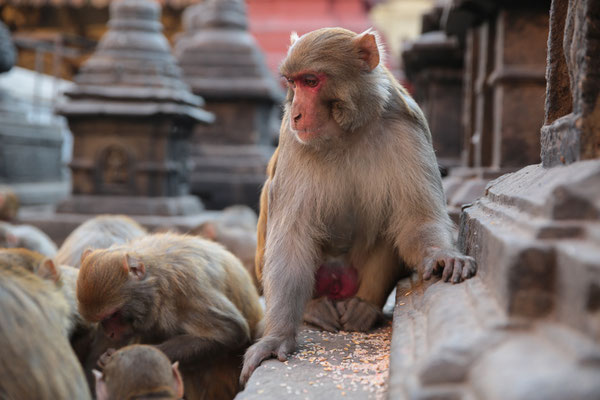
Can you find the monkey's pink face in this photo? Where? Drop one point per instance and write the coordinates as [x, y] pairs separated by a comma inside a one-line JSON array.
[[310, 116], [115, 325]]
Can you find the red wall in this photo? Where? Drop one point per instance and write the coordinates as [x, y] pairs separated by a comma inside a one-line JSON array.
[[272, 21]]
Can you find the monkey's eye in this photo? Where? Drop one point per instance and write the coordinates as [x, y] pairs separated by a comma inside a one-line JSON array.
[[290, 82], [310, 80]]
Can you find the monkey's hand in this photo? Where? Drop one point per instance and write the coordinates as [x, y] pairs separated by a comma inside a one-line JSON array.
[[105, 358], [322, 313], [451, 264], [357, 314], [267, 347]]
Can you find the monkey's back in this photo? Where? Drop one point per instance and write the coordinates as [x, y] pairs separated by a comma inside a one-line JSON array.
[[97, 233], [201, 266], [33, 342]]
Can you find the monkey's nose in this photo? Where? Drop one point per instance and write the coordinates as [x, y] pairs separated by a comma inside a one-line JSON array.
[[297, 117]]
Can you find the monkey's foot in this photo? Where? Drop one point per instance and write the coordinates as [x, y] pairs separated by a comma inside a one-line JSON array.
[[266, 347], [451, 264], [323, 314], [357, 314]]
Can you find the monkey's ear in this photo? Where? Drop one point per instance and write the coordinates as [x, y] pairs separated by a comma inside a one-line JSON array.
[[101, 391], [47, 270], [208, 230], [134, 267], [84, 255], [293, 37], [177, 381], [368, 51]]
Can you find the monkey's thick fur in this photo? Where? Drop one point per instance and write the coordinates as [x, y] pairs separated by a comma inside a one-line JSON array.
[[188, 296], [354, 176], [36, 360]]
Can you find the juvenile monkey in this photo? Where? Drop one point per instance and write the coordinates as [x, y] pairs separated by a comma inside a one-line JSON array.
[[97, 233], [26, 236], [354, 180], [37, 361], [139, 372], [188, 296]]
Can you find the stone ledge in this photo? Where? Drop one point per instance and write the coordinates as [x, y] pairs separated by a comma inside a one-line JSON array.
[[454, 342], [345, 365]]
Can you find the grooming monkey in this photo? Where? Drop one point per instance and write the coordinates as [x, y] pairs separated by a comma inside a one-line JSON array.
[[139, 372], [353, 185], [188, 296]]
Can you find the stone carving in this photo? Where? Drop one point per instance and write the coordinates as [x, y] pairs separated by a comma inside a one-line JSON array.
[[222, 62], [132, 116]]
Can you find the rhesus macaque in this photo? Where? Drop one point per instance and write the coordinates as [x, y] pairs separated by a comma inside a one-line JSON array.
[[139, 372], [9, 204], [188, 296], [26, 236], [36, 359], [354, 183], [238, 240], [97, 233]]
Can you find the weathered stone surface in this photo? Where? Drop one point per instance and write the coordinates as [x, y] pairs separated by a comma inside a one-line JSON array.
[[343, 365], [571, 130], [454, 342]]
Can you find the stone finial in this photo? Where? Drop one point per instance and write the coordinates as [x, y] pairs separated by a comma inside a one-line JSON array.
[[230, 14], [219, 57], [133, 71]]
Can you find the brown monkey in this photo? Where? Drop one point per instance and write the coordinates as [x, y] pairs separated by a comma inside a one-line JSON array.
[[9, 204], [97, 233], [139, 372], [37, 361], [354, 180], [188, 296], [26, 236]]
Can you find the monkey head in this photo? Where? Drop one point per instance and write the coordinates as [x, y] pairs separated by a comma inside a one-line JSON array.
[[139, 371], [114, 290], [329, 73]]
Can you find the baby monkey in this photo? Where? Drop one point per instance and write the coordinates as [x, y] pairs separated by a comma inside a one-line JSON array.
[[139, 372]]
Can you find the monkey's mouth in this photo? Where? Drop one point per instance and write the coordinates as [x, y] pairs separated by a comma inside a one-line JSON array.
[[306, 135], [113, 324]]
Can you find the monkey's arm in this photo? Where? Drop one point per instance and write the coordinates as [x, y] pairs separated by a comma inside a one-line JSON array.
[[261, 228], [218, 327], [428, 247], [290, 261]]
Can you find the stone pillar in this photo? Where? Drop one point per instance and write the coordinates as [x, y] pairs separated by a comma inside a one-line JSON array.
[[222, 62], [131, 116], [503, 92], [31, 139], [433, 63], [533, 232]]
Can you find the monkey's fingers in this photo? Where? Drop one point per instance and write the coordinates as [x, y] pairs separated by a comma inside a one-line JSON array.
[[266, 347], [448, 268], [430, 265], [470, 268], [359, 315], [322, 313]]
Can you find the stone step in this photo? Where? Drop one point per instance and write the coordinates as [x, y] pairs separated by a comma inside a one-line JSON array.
[[455, 342]]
